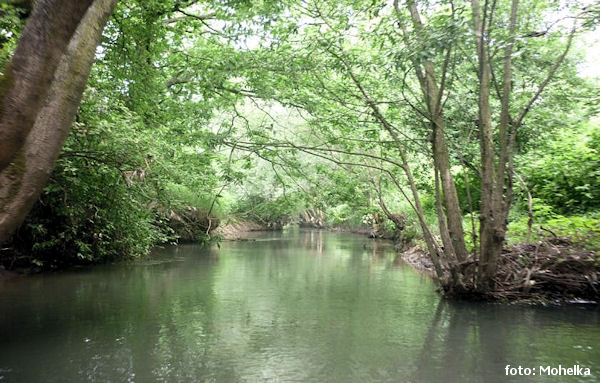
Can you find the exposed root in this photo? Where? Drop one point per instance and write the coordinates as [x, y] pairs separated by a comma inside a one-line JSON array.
[[190, 223]]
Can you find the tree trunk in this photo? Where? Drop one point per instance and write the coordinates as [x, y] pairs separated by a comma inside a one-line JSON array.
[[22, 181], [441, 215], [25, 84], [432, 95], [490, 241], [453, 210]]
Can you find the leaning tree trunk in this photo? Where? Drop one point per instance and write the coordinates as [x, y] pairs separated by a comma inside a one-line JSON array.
[[27, 79], [29, 166], [452, 230]]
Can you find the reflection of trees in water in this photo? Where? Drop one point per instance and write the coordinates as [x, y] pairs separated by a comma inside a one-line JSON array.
[[474, 342], [116, 323], [378, 251], [312, 239], [451, 351], [268, 307], [172, 305], [424, 359]]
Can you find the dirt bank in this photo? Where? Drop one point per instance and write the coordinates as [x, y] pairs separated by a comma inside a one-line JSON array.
[[418, 259], [235, 230]]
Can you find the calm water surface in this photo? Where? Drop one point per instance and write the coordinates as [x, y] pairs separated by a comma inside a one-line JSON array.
[[302, 306]]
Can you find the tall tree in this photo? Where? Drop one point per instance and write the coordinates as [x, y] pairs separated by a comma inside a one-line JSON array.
[[497, 145], [344, 62], [41, 90]]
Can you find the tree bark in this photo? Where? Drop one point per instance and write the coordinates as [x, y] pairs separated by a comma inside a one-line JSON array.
[[441, 215], [30, 72], [453, 210], [22, 181], [490, 245], [432, 95]]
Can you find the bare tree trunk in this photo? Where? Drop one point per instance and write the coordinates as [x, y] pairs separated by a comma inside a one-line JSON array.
[[490, 243], [444, 233], [453, 210], [397, 219], [432, 95], [435, 253], [27, 79], [505, 124], [23, 180], [497, 182]]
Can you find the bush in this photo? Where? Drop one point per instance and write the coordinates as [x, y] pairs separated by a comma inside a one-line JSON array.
[[566, 174], [86, 214], [98, 204], [340, 214], [582, 229], [271, 212]]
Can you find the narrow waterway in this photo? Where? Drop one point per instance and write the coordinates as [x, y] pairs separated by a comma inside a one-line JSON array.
[[303, 306]]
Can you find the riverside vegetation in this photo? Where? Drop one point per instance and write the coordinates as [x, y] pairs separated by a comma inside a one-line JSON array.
[[468, 129]]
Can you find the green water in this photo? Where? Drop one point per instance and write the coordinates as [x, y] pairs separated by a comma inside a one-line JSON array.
[[302, 306]]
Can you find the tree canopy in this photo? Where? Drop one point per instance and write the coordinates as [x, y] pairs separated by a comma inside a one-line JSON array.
[[452, 122]]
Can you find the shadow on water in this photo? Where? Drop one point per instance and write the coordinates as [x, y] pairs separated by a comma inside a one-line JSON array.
[[299, 306]]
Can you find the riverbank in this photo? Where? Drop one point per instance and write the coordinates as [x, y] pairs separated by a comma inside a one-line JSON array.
[[237, 230], [418, 259], [552, 270], [285, 300]]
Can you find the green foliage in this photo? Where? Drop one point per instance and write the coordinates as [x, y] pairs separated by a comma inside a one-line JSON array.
[[87, 213], [584, 230], [565, 173], [264, 109], [12, 21], [474, 183], [179, 196], [412, 230], [273, 212], [340, 214]]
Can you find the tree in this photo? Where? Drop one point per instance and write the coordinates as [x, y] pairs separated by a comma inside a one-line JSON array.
[[497, 154], [357, 67], [41, 90]]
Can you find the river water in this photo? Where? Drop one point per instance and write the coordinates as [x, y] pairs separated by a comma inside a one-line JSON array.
[[298, 306]]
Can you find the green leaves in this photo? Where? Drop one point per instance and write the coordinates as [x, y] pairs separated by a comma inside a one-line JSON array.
[[564, 173], [263, 109]]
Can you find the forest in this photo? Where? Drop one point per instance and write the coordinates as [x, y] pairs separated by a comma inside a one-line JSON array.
[[467, 132]]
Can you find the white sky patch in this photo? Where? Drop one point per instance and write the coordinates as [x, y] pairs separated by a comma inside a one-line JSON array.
[[590, 44]]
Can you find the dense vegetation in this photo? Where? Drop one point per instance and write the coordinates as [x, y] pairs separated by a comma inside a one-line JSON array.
[[461, 126]]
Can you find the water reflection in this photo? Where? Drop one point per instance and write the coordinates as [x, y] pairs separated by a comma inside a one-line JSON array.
[[312, 239], [305, 306], [474, 342]]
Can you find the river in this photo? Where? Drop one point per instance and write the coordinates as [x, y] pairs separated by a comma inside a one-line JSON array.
[[298, 306]]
